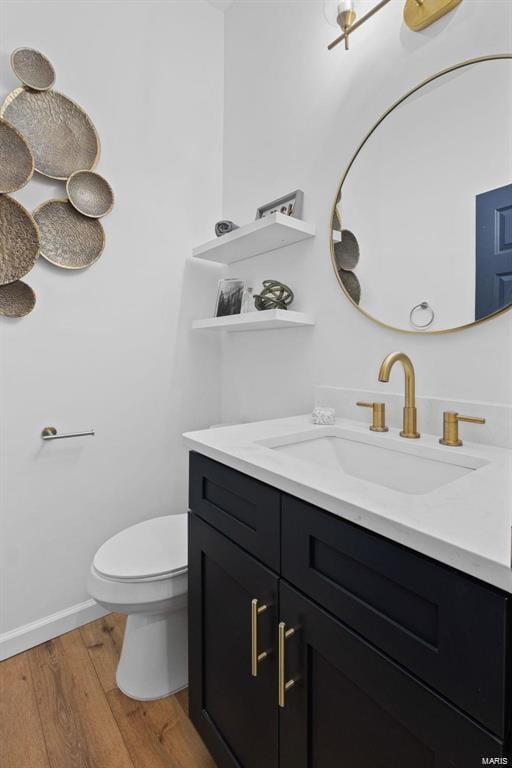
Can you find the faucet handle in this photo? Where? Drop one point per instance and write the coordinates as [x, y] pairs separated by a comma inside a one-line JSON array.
[[379, 416], [451, 427]]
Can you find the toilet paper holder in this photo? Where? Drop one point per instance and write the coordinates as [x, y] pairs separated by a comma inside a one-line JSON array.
[[50, 433]]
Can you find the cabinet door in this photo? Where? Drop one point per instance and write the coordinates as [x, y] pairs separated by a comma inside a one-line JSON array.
[[442, 626], [234, 711], [352, 706]]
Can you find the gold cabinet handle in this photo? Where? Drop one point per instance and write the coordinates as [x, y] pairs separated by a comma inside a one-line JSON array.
[[256, 657], [451, 427], [379, 416], [284, 685]]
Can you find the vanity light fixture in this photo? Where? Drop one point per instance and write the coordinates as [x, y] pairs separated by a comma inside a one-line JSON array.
[[418, 14], [346, 17]]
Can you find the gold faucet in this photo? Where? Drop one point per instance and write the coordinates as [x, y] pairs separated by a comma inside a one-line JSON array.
[[410, 412]]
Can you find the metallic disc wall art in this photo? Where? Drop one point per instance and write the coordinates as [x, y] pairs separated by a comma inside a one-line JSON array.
[[16, 299], [16, 161], [68, 239], [32, 68], [19, 240], [90, 194], [61, 136], [346, 251]]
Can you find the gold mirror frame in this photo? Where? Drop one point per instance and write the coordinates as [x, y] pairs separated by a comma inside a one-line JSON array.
[[469, 62]]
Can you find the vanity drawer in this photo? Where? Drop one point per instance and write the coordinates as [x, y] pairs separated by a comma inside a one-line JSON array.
[[444, 627], [242, 508]]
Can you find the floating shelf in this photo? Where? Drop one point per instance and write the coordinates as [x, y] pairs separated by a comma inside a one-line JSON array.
[[260, 236], [256, 321]]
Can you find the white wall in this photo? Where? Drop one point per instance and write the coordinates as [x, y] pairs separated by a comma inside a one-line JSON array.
[[110, 347], [294, 115]]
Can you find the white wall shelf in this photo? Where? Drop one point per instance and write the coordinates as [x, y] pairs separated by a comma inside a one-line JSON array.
[[260, 236], [268, 319]]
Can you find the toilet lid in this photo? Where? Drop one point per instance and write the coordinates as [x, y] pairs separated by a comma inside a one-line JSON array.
[[152, 548]]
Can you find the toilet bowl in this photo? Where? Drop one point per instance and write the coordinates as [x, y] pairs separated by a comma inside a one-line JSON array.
[[142, 571]]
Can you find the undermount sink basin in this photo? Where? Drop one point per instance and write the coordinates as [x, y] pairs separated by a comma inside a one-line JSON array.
[[392, 462]]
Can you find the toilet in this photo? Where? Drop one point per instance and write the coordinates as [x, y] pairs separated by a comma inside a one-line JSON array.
[[142, 571]]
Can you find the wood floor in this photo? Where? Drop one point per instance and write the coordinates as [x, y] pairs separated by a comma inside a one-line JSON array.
[[60, 708]]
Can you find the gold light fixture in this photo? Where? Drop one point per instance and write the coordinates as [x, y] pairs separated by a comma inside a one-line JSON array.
[[346, 17], [418, 14]]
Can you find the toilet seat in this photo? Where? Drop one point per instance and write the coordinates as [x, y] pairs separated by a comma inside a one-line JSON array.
[[143, 568], [142, 572], [152, 550]]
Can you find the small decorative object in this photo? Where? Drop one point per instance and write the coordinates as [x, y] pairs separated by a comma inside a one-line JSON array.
[[422, 315], [16, 299], [289, 205], [19, 240], [68, 239], [90, 194], [274, 295], [351, 284], [229, 297], [323, 415], [346, 251], [223, 227], [33, 69], [247, 300], [16, 161], [61, 136]]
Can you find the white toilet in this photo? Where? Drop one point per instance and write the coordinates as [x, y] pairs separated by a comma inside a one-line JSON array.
[[142, 571]]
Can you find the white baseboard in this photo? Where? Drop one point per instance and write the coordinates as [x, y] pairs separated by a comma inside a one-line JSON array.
[[37, 632]]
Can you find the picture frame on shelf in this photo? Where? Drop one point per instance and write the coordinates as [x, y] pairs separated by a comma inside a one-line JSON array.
[[229, 296], [289, 205]]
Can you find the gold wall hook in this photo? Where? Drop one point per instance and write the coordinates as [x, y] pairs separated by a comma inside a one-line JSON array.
[[379, 416], [451, 427]]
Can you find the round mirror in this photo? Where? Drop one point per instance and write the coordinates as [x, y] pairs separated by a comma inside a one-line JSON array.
[[422, 223]]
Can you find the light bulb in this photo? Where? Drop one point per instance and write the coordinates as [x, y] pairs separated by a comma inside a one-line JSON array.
[[346, 17]]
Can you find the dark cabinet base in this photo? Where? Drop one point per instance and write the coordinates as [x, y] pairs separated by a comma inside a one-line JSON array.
[[396, 661]]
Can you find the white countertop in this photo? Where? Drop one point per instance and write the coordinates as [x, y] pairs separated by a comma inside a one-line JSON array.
[[466, 524]]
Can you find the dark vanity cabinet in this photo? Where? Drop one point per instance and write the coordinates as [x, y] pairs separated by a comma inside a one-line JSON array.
[[381, 657]]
